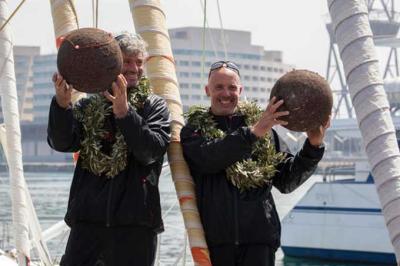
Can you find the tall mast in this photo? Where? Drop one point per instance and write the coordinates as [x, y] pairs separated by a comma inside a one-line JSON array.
[[354, 37], [149, 20]]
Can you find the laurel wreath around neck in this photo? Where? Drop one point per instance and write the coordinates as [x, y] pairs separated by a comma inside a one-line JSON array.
[[249, 173], [92, 116]]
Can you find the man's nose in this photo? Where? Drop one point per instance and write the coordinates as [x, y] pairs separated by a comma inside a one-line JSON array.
[[225, 92]]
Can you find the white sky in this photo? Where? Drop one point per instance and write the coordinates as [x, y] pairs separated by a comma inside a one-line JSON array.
[[295, 27]]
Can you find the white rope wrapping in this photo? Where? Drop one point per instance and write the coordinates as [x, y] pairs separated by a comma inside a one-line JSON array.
[[354, 38], [9, 101]]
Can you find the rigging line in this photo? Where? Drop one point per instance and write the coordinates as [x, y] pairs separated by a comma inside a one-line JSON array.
[[210, 34], [222, 31], [12, 14], [203, 42], [93, 13], [74, 11], [97, 14]]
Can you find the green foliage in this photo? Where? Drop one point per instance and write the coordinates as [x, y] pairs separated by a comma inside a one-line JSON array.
[[93, 116], [247, 174]]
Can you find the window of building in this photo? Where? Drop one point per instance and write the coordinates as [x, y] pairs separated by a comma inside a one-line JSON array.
[[196, 86], [183, 63], [184, 74], [180, 35], [246, 77], [255, 78], [196, 75], [262, 68], [196, 97], [247, 67], [255, 89], [184, 85], [263, 89], [196, 63], [255, 67], [184, 97]]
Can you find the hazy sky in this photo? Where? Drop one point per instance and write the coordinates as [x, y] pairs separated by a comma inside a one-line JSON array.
[[295, 27]]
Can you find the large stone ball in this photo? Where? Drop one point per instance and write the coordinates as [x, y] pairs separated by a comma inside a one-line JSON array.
[[308, 98], [89, 59]]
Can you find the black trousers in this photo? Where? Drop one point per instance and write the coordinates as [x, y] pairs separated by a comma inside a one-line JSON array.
[[242, 255], [92, 245]]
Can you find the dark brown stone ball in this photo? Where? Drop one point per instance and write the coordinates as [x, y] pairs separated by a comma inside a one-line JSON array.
[[308, 98], [89, 59]]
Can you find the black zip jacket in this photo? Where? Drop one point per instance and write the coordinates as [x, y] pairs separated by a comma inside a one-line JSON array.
[[228, 216], [131, 198]]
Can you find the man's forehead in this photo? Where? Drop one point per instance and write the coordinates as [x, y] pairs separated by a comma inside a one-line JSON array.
[[133, 56]]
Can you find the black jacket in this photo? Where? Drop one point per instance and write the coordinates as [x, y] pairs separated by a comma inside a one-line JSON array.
[[228, 216], [131, 198]]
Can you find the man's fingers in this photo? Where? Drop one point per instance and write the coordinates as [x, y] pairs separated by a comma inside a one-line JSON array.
[[108, 96], [276, 105], [279, 114], [115, 89], [280, 122], [123, 79], [121, 84], [54, 78]]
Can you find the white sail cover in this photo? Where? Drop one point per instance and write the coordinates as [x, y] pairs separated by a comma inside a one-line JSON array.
[[9, 101], [354, 38], [24, 217]]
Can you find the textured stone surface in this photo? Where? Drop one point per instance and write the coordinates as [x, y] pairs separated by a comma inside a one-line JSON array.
[[308, 98], [89, 59]]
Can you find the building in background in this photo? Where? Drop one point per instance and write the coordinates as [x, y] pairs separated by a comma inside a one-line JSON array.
[[259, 69]]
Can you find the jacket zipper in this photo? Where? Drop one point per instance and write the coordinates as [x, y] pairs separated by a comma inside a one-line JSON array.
[[228, 122], [108, 215], [235, 214]]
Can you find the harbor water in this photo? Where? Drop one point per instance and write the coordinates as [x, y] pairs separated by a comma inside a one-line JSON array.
[[50, 191]]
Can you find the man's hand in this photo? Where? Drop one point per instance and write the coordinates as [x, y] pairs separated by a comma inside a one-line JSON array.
[[63, 91], [316, 136], [269, 118], [119, 97]]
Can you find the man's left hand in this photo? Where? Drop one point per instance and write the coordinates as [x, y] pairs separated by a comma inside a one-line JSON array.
[[316, 136], [119, 97]]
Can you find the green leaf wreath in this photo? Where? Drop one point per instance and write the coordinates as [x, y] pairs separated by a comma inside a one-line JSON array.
[[249, 173], [92, 116]]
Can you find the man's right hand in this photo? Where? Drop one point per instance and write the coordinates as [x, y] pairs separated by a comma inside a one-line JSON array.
[[269, 118], [63, 91]]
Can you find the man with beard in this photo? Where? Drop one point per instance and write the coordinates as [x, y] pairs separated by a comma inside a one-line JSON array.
[[122, 135], [241, 224]]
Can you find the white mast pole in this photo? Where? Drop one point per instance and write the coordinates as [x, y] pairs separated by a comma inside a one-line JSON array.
[[354, 38], [150, 22], [9, 101]]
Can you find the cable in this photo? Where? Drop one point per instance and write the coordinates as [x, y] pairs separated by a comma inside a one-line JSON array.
[[12, 14]]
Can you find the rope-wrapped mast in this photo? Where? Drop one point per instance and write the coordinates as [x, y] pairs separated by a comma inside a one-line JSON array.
[[149, 20], [355, 40], [65, 20]]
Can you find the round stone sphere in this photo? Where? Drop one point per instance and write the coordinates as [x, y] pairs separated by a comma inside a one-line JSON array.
[[308, 98], [89, 59]]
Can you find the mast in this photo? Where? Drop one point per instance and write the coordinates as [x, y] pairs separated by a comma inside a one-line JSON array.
[[26, 225], [149, 20], [65, 20], [356, 47]]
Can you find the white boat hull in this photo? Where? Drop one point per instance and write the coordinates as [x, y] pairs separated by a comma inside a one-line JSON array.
[[339, 221]]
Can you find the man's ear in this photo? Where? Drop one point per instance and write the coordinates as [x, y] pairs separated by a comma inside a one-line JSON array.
[[207, 89], [240, 89]]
